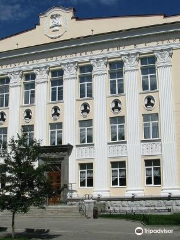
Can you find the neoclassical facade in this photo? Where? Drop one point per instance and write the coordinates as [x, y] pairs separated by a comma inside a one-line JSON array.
[[109, 88]]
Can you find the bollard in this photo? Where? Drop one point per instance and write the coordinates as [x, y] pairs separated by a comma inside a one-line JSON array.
[[95, 213]]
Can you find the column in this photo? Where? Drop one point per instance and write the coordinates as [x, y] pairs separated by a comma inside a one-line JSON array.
[[41, 104], [100, 128], [14, 104], [69, 78], [167, 121], [134, 181]]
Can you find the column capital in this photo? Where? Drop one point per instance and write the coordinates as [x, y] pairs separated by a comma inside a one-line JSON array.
[[70, 70], [164, 57], [99, 66], [131, 61], [41, 74], [15, 78]]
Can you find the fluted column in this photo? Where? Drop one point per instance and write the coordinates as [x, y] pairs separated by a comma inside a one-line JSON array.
[[134, 182], [14, 104], [69, 78], [41, 104], [167, 121], [100, 128]]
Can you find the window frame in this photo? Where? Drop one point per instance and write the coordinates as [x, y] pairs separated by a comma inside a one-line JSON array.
[[117, 128], [5, 94], [152, 172], [56, 133], [148, 66], [86, 131], [29, 138], [56, 87], [30, 91], [150, 126], [2, 136], [117, 169], [86, 178], [85, 84], [116, 79]]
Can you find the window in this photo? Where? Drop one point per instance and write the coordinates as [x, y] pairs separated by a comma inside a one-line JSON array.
[[85, 81], [148, 73], [86, 131], [28, 131], [29, 88], [4, 92], [86, 175], [151, 126], [56, 85], [153, 172], [118, 174], [56, 134], [117, 128], [116, 78], [3, 137]]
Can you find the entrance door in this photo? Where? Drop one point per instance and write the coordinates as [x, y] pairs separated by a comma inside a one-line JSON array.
[[55, 178]]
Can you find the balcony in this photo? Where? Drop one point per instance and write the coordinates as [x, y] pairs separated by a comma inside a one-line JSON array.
[[85, 152], [117, 149], [151, 147]]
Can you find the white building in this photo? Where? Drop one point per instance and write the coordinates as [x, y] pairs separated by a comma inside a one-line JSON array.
[[105, 89]]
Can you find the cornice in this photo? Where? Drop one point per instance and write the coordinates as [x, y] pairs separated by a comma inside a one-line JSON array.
[[115, 54]]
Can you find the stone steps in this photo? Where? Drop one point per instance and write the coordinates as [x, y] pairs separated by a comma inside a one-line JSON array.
[[50, 211]]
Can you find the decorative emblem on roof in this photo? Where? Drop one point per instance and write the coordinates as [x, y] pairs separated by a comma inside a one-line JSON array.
[[55, 25]]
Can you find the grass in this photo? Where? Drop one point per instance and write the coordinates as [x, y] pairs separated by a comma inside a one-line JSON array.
[[173, 219], [9, 238]]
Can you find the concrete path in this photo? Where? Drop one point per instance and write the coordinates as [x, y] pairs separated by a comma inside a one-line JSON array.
[[86, 229]]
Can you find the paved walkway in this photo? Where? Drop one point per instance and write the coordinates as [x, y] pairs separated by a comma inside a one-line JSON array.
[[85, 229]]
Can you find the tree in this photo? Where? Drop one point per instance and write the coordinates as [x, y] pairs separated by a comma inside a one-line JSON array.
[[22, 185]]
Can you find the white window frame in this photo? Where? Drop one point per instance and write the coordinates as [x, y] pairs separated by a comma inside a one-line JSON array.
[[30, 91], [28, 133], [4, 94], [116, 79], [117, 169], [85, 84], [152, 169], [117, 126], [86, 173], [56, 87], [150, 126], [148, 75], [56, 133], [86, 130], [2, 136]]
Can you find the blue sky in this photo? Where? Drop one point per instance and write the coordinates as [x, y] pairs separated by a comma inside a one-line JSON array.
[[20, 15]]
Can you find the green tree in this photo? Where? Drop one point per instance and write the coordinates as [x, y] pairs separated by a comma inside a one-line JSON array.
[[22, 185]]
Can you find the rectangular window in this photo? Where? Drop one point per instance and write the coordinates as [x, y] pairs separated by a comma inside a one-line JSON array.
[[153, 172], [28, 131], [85, 81], [3, 137], [86, 175], [85, 131], [55, 133], [151, 126], [29, 88], [116, 77], [118, 174], [4, 92], [56, 85], [117, 128], [148, 74]]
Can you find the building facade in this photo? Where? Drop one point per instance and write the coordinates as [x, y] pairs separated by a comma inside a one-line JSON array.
[[110, 88]]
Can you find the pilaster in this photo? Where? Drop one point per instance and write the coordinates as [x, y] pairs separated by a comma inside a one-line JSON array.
[[14, 104], [167, 121], [134, 182], [41, 104], [69, 78], [100, 128]]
